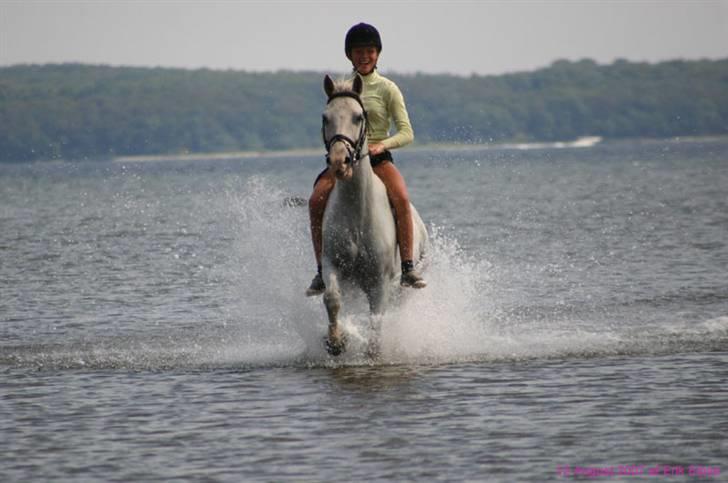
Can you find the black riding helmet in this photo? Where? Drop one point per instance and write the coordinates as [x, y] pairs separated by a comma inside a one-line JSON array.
[[362, 35]]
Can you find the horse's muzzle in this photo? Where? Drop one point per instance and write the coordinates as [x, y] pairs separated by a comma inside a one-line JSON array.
[[341, 169], [344, 172], [340, 162], [347, 160]]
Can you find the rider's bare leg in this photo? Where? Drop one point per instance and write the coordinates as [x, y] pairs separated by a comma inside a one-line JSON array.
[[399, 198], [316, 207]]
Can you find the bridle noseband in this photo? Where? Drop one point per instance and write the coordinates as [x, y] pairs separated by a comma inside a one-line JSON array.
[[352, 147]]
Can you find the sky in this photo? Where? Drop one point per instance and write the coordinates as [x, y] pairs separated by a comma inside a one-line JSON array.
[[445, 36]]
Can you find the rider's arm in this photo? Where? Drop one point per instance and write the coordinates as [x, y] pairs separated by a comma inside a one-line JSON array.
[[398, 111]]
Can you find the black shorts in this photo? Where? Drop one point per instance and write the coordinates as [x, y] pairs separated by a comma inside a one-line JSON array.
[[386, 155], [375, 160]]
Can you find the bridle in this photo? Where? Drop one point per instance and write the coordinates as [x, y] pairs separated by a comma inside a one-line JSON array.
[[353, 147]]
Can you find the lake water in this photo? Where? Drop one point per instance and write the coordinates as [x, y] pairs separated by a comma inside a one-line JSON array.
[[153, 325]]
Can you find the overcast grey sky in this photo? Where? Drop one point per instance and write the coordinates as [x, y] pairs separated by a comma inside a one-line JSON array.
[[461, 37]]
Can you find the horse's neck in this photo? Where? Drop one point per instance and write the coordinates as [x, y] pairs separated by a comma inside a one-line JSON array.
[[360, 194], [358, 189]]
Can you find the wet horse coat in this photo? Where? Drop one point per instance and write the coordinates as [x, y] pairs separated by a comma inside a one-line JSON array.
[[359, 232]]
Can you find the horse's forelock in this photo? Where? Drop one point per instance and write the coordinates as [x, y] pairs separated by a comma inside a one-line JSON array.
[[344, 86]]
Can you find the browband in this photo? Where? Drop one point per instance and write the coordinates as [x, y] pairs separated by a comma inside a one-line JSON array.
[[351, 94]]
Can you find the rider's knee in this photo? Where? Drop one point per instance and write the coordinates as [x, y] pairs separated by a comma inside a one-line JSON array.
[[399, 199], [402, 206], [313, 200], [317, 201]]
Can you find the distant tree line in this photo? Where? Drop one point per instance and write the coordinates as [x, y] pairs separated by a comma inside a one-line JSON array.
[[75, 111]]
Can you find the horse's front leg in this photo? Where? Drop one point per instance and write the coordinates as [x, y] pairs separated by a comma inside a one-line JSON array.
[[335, 342], [378, 301]]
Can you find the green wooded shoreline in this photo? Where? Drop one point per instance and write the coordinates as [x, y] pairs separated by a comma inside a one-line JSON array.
[[76, 111]]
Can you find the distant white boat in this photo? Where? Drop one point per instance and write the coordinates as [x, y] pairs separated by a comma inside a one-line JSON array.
[[582, 142]]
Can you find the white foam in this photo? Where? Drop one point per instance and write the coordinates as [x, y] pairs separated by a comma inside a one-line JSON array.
[[273, 263], [718, 324], [457, 317]]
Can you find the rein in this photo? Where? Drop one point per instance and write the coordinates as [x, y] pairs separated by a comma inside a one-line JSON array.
[[353, 147]]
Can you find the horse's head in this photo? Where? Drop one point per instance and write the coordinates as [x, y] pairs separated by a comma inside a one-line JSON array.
[[344, 126]]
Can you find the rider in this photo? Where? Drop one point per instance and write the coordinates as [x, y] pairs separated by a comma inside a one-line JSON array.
[[384, 103]]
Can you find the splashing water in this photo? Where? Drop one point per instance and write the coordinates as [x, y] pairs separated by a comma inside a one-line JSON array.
[[465, 314], [458, 317], [274, 258]]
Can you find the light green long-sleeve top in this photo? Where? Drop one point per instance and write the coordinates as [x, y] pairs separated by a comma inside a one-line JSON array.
[[384, 103]]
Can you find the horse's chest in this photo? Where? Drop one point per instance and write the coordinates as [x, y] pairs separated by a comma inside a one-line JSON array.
[[360, 243], [347, 243], [353, 248]]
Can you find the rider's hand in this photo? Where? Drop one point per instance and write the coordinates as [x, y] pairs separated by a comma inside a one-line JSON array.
[[376, 148]]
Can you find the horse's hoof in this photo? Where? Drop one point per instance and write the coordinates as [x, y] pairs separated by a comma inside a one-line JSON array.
[[335, 348]]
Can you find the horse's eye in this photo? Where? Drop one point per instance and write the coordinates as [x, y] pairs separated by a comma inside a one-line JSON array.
[[324, 121], [358, 118]]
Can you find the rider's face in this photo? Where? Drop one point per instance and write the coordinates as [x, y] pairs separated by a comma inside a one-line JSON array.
[[364, 59]]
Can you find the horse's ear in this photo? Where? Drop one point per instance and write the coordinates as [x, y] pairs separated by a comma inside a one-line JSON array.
[[328, 86], [358, 85]]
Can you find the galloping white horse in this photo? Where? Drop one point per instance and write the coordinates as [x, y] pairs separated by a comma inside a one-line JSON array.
[[359, 233]]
